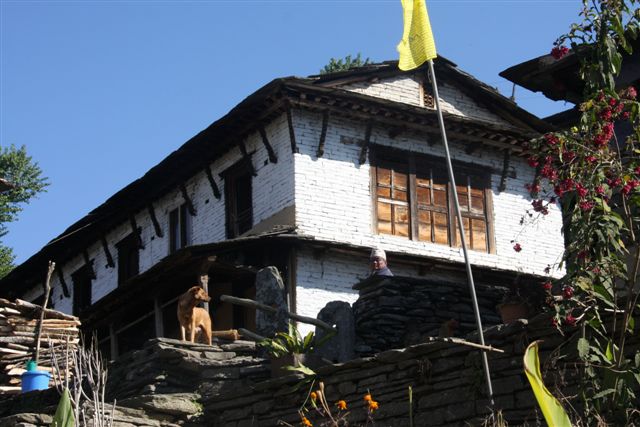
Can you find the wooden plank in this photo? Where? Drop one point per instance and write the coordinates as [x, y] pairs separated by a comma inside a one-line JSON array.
[[267, 145], [154, 220], [88, 264], [323, 133], [185, 195], [212, 183]]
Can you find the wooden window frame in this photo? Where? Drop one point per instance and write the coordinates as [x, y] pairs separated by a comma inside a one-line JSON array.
[[180, 231], [126, 247], [416, 164], [231, 176]]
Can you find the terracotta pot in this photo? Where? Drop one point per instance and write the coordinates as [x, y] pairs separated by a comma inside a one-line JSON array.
[[512, 311]]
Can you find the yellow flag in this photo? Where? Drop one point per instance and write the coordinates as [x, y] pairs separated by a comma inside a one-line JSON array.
[[417, 45]]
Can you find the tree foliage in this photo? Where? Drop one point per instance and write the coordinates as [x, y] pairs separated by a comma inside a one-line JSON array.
[[593, 171], [19, 169], [344, 64]]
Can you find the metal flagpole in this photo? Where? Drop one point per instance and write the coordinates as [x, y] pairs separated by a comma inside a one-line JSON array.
[[472, 287]]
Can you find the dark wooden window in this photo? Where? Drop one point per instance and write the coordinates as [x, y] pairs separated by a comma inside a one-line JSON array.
[[238, 199], [81, 289], [179, 228], [128, 258], [413, 199]]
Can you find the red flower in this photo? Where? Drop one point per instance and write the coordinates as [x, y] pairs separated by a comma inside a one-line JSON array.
[[614, 182], [549, 172], [558, 190], [613, 101], [586, 205], [551, 139], [581, 190], [559, 51], [567, 292], [554, 322], [568, 156], [539, 206], [637, 170], [570, 320], [591, 159], [625, 115], [630, 93], [600, 190], [517, 247], [533, 162], [547, 286], [606, 114]]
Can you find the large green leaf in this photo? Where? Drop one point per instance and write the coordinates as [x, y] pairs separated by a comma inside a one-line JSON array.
[[552, 410], [64, 413]]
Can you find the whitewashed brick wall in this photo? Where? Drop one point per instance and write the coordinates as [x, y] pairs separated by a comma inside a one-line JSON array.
[[406, 89], [333, 198], [272, 191]]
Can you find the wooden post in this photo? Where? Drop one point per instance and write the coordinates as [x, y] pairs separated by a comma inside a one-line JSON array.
[[204, 283], [157, 308], [47, 291], [113, 341]]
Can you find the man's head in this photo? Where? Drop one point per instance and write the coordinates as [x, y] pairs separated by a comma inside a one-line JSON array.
[[377, 259]]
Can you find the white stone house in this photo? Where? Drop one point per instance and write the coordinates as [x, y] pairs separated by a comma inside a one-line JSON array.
[[307, 174]]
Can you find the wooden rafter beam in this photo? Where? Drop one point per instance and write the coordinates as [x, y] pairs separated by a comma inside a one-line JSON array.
[[292, 133], [135, 231], [247, 158], [63, 283], [107, 253], [367, 140], [88, 263], [265, 141], [323, 133], [505, 171], [212, 182], [185, 195], [154, 220]]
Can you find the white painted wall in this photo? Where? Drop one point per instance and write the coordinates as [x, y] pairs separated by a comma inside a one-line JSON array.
[[333, 198], [272, 191], [406, 89]]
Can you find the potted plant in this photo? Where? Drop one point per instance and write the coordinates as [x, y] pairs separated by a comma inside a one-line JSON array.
[[513, 306], [290, 349]]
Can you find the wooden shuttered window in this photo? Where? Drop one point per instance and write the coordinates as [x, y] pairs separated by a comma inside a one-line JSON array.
[[413, 199]]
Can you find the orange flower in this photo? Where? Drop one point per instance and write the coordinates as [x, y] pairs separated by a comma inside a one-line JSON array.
[[367, 397], [341, 404], [306, 422], [313, 395], [373, 405]]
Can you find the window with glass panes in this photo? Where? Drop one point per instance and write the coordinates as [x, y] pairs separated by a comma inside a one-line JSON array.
[[413, 199]]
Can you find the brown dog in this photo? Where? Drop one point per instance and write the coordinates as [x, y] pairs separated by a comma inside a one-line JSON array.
[[192, 317]]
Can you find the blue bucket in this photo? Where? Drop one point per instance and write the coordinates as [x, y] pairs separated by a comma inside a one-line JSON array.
[[35, 380]]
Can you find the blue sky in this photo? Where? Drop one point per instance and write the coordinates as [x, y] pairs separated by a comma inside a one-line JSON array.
[[100, 91]]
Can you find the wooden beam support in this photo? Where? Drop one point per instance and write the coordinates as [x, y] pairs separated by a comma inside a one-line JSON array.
[[63, 283], [107, 253], [187, 200], [113, 342], [247, 158], [212, 183], [505, 171], [323, 133], [265, 141], [154, 220], [365, 145], [292, 133], [89, 264], [135, 231], [394, 131], [203, 276]]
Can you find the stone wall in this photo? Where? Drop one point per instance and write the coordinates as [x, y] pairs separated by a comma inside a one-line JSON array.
[[397, 312], [446, 378], [172, 366]]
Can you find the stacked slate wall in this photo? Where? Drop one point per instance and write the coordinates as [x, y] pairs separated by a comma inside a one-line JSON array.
[[396, 312]]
